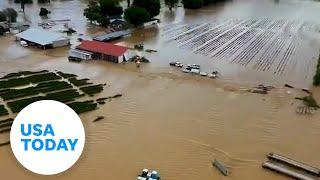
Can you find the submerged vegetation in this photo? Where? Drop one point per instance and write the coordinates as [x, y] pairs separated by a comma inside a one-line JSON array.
[[23, 88], [309, 101], [316, 78], [92, 90], [82, 107], [3, 111], [79, 82], [22, 81]]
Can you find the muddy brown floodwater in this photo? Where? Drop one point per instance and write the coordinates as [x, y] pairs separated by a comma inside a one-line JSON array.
[[173, 122]]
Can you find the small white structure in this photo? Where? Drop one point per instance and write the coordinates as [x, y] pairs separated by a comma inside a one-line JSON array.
[[83, 55], [43, 38]]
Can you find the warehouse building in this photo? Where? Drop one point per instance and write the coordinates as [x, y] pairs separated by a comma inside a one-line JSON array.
[[42, 38]]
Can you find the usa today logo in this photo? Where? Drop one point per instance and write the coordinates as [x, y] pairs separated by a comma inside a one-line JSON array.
[[47, 137]]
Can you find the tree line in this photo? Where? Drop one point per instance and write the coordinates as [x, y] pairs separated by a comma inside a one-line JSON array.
[[137, 11]]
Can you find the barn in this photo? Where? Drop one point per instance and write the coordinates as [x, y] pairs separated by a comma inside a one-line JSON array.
[[104, 51]]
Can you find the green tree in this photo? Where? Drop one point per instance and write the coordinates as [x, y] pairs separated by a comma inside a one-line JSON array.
[[103, 20], [193, 4], [11, 14], [92, 12], [152, 6], [3, 16], [171, 3], [136, 15], [110, 7]]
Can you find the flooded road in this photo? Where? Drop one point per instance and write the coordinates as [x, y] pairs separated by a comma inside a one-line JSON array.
[[173, 122]]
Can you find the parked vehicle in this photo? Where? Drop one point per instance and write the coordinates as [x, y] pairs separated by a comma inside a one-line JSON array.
[[186, 70], [203, 73], [195, 71], [146, 175], [193, 66], [74, 59], [24, 43], [176, 64]]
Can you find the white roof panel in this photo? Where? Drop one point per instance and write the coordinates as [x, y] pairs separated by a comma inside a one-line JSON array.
[[40, 36]]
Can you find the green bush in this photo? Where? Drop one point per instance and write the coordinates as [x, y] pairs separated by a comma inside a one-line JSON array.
[[17, 106], [79, 82], [66, 75], [92, 90], [14, 82], [22, 73], [64, 96], [151, 6], [31, 91], [82, 107], [136, 15]]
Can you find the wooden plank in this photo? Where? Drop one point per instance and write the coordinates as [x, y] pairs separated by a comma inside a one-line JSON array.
[[288, 172], [294, 163]]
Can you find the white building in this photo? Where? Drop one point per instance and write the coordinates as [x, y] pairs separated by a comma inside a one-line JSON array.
[[43, 38]]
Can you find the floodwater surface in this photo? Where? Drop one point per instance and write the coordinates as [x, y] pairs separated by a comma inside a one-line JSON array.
[[173, 122]]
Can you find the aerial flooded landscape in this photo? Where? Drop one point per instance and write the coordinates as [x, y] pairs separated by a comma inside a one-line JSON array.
[[225, 90]]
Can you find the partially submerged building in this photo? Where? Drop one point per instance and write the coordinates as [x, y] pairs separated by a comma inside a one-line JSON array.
[[112, 36], [99, 50], [43, 38]]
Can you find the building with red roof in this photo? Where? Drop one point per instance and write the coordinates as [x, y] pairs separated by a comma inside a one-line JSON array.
[[103, 50]]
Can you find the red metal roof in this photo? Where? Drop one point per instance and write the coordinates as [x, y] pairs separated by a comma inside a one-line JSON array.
[[102, 47]]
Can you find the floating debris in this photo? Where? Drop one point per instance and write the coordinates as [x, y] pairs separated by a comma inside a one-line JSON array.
[[283, 170], [146, 174], [294, 163], [5, 143], [261, 89], [288, 86], [151, 50], [99, 118], [221, 167]]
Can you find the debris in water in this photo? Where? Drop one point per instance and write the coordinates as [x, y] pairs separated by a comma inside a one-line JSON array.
[[99, 118], [5, 143], [288, 86], [221, 167]]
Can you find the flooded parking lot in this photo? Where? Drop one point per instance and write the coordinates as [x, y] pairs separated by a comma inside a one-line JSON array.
[[178, 123]]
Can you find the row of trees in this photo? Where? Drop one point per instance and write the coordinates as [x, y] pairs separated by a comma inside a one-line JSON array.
[[100, 11], [142, 11], [138, 11], [195, 4]]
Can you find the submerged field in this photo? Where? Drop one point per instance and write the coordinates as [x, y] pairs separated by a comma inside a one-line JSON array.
[[272, 49], [17, 90]]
